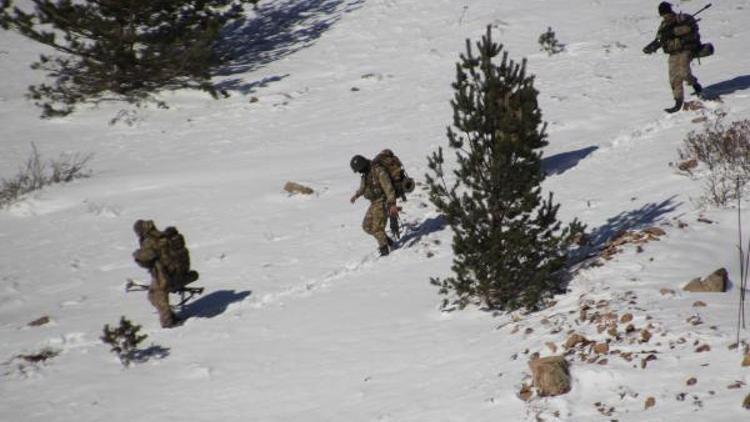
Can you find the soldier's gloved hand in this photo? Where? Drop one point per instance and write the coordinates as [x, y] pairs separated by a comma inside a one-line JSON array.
[[353, 199], [393, 211]]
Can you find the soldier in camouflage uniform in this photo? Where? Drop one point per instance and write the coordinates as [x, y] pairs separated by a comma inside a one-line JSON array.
[[375, 186], [679, 37], [164, 254]]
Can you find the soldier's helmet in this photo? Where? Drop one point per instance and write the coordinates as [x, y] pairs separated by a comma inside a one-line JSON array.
[[141, 227], [664, 8], [359, 164]]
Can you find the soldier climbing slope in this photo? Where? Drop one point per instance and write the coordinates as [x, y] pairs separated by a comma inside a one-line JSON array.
[[678, 36], [164, 254], [375, 186]]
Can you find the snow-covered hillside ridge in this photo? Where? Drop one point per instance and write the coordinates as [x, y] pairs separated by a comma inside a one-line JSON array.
[[300, 320]]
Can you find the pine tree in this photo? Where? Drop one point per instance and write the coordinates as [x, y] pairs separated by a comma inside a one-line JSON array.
[[129, 48], [509, 249], [124, 339]]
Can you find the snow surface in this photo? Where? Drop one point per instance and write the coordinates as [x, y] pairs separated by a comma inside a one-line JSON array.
[[300, 320]]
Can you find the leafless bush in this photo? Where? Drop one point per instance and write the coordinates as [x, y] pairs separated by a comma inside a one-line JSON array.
[[724, 151], [35, 174]]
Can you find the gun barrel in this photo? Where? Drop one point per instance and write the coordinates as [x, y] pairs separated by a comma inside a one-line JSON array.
[[702, 9]]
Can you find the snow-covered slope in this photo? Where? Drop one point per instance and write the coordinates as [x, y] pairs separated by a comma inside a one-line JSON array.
[[300, 321]]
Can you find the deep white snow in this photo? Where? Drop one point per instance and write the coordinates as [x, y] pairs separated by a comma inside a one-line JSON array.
[[300, 320]]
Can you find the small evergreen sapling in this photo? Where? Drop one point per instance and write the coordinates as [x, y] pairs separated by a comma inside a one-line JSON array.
[[549, 42], [123, 48], [124, 340], [509, 248]]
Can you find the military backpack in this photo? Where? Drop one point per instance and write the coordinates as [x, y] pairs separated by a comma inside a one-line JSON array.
[[401, 182]]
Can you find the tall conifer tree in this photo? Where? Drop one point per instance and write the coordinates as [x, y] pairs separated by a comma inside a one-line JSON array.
[[128, 48], [509, 249]]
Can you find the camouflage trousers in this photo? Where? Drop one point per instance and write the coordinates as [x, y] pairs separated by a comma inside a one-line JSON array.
[[375, 221], [679, 72], [158, 295]]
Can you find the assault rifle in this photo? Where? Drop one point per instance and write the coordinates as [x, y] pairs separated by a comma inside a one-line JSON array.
[[186, 293], [395, 226], [654, 45]]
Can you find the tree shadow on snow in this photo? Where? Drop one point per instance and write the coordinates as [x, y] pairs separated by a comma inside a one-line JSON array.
[[634, 219], [560, 163], [153, 352], [239, 85], [277, 30], [213, 304], [730, 86], [416, 231]]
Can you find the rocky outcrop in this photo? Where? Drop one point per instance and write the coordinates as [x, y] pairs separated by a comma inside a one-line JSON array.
[[718, 281], [550, 375], [295, 188]]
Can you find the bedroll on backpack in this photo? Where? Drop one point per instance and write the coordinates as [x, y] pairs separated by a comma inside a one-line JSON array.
[[704, 50], [392, 165]]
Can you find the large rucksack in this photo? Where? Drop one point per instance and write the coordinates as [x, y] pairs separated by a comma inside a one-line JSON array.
[[690, 41], [401, 182], [174, 256]]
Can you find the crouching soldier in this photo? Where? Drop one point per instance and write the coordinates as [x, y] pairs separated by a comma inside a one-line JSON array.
[[164, 254], [375, 186]]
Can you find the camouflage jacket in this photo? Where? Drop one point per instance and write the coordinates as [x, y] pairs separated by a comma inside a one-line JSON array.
[[376, 185], [678, 33]]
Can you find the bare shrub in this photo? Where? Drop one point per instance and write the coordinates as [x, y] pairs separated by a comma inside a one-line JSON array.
[[724, 150], [36, 173], [41, 356]]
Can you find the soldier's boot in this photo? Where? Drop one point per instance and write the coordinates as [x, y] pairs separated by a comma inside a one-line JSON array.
[[697, 89], [677, 106], [390, 241], [384, 250]]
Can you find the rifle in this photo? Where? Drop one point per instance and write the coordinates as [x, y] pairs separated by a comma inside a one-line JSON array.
[[395, 226], [656, 43], [186, 293]]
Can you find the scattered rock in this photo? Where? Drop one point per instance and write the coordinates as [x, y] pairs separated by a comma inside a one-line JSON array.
[[701, 119], [703, 348], [254, 99], [574, 340], [664, 291], [699, 304], [736, 385], [746, 402], [654, 231], [692, 381], [528, 330], [551, 346], [525, 393], [687, 165], [746, 360], [550, 375], [646, 360], [626, 318], [650, 402], [295, 188], [601, 348], [39, 321], [693, 105], [645, 336], [715, 282]]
